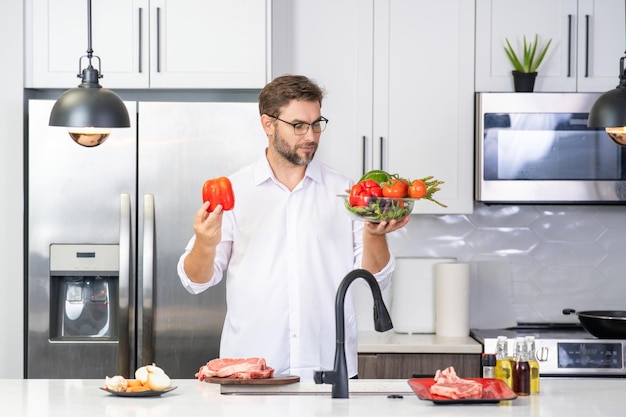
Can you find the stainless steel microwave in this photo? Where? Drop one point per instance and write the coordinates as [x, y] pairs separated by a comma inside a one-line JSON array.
[[536, 148]]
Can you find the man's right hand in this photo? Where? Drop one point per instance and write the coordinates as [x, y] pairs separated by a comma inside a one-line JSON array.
[[208, 226]]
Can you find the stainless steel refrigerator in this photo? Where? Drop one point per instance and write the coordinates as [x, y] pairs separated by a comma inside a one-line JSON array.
[[106, 226]]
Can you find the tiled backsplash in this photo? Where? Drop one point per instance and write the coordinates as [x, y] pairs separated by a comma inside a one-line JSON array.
[[558, 256]]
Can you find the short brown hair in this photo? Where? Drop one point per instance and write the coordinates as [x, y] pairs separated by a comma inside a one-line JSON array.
[[285, 88]]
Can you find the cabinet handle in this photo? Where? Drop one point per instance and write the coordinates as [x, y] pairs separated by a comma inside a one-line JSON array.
[[158, 40], [364, 141], [140, 39], [382, 143], [569, 45], [586, 45]]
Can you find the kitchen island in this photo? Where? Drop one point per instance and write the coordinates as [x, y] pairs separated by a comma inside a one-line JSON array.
[[79, 397]]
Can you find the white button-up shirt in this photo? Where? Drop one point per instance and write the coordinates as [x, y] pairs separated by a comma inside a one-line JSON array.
[[285, 253]]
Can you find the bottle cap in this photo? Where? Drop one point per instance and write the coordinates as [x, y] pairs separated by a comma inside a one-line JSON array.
[[489, 359]]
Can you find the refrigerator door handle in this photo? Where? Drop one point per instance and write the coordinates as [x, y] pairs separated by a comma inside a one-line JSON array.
[[124, 352], [147, 294]]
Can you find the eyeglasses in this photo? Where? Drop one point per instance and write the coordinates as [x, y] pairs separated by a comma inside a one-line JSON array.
[[301, 128]]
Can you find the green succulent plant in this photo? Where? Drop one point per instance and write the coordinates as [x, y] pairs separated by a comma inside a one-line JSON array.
[[528, 63]]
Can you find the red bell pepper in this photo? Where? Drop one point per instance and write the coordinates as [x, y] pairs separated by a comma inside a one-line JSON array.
[[362, 191], [218, 191]]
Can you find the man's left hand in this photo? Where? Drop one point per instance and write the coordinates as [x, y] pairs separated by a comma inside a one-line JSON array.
[[384, 227]]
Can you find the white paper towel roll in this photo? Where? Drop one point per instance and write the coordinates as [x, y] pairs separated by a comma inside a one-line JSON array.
[[413, 301], [452, 299]]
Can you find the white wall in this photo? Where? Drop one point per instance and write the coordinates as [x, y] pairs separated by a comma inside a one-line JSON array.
[[11, 190]]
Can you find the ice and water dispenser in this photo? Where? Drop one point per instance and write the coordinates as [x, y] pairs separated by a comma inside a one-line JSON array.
[[84, 288]]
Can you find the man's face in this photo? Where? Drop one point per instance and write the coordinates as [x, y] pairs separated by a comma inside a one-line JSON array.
[[294, 148]]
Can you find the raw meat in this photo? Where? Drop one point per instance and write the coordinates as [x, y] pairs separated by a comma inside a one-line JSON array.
[[448, 384], [240, 368]]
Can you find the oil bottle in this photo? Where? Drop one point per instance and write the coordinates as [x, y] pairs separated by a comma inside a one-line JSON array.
[[521, 370], [504, 371], [534, 365]]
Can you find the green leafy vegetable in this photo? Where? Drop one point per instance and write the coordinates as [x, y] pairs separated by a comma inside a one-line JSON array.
[[381, 209]]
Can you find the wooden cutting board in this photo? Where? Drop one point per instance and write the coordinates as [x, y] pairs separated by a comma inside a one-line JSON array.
[[275, 380]]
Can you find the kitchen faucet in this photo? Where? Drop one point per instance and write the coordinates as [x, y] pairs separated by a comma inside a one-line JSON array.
[[338, 377]]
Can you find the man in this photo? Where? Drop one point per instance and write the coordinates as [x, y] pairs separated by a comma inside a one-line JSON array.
[[287, 244]]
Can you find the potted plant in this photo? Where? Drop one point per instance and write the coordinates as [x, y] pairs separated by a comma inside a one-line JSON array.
[[525, 70]]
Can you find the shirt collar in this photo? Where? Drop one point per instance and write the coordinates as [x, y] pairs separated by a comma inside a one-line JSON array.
[[263, 171]]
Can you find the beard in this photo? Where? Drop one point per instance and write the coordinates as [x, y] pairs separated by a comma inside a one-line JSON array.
[[291, 154]]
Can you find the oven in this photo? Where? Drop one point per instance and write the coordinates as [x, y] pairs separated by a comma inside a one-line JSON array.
[[563, 350]]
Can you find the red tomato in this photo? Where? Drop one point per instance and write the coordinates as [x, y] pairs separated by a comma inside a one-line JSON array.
[[417, 189], [218, 191], [396, 188]]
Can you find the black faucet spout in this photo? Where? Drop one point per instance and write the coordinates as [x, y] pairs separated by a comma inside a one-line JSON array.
[[338, 377]]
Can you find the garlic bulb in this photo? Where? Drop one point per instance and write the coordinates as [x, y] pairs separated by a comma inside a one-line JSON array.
[[117, 383]]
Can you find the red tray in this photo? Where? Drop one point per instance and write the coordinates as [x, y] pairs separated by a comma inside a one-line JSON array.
[[494, 391]]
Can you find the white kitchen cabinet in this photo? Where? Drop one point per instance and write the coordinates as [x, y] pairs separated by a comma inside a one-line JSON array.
[[398, 76], [150, 43], [587, 43]]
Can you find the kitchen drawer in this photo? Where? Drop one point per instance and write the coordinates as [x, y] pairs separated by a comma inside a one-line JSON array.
[[403, 365]]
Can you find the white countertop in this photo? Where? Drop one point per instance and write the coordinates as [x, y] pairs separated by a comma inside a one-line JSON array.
[[391, 342], [73, 398]]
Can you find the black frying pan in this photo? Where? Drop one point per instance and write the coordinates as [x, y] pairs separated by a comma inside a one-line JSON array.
[[605, 324]]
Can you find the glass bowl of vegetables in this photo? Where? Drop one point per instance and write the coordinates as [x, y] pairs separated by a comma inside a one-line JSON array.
[[377, 209], [379, 196]]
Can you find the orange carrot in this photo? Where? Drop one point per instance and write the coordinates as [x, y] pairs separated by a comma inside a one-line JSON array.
[[138, 388], [133, 383]]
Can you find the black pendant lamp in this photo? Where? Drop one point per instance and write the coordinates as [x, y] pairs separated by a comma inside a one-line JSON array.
[[609, 111], [89, 111]]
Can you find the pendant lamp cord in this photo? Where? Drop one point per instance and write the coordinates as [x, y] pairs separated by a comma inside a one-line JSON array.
[[89, 49], [90, 73], [622, 76]]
